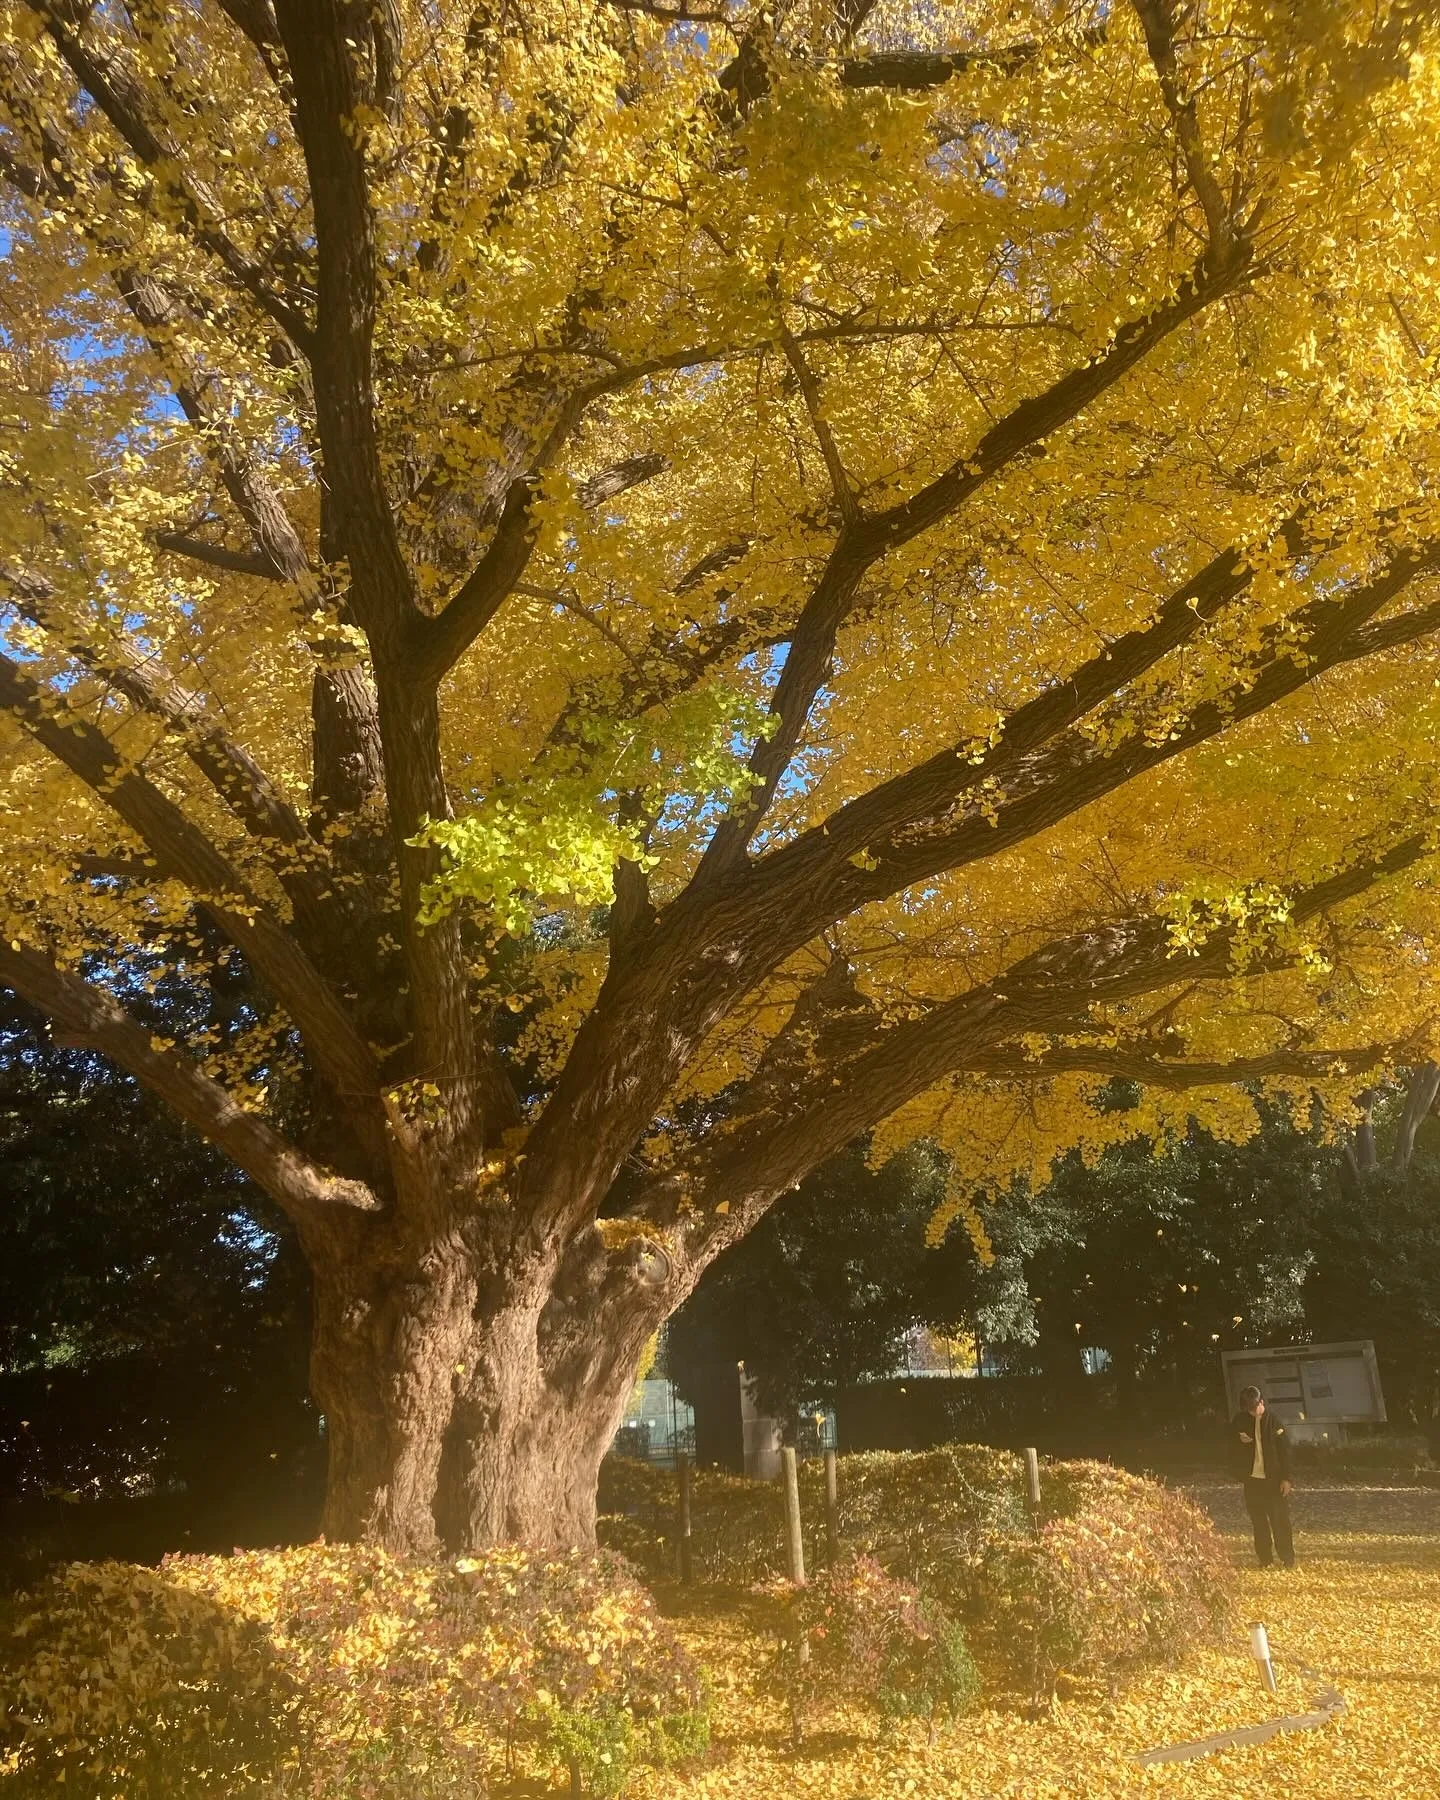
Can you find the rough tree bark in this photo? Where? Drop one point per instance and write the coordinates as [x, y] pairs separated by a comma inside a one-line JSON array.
[[465, 1402]]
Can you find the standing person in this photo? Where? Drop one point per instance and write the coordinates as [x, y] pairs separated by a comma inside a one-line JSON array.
[[1260, 1456]]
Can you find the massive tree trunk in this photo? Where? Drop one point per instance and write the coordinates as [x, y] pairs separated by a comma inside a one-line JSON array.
[[465, 1402]]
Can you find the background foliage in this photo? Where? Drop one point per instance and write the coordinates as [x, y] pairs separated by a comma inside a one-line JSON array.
[[1159, 1252]]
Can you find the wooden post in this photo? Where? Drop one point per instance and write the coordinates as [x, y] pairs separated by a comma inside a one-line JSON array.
[[1032, 1481], [832, 1511], [793, 1541], [687, 1566]]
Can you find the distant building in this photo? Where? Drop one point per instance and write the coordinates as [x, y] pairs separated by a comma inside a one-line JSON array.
[[657, 1426]]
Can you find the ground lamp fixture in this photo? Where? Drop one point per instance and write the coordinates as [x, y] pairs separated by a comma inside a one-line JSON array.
[[1260, 1650]]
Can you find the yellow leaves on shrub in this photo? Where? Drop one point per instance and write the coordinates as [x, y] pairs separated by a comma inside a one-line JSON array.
[[327, 1670], [1123, 1572]]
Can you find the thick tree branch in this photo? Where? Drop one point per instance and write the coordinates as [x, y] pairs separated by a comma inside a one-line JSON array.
[[830, 1021], [917, 71], [304, 866], [24, 177], [1420, 1093], [1159, 30], [521, 470], [438, 643], [714, 562], [1042, 770], [456, 130], [1073, 771], [279, 552], [279, 549], [1022, 433], [1054, 988], [347, 762], [1359, 1159], [1024, 430], [256, 22], [599, 489], [216, 556], [94, 867], [90, 1018], [631, 913], [184, 852], [1149, 1070], [929, 787], [331, 88], [119, 96], [235, 775], [747, 76], [840, 488], [1079, 773], [679, 14], [660, 670], [710, 947], [519, 467]]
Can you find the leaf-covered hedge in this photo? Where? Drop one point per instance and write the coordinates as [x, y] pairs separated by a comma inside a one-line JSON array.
[[1120, 1571], [923, 1515], [855, 1632], [1135, 1573], [336, 1671]]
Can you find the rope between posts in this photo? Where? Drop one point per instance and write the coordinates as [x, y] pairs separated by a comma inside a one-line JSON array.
[[1327, 1706]]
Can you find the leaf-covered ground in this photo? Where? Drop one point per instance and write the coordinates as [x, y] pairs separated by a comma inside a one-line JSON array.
[[1362, 1610]]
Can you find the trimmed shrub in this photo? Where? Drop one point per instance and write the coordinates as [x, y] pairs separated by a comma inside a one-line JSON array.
[[1387, 1450], [737, 1525], [116, 1681], [856, 1633], [930, 1517], [1121, 1571], [339, 1671], [1134, 1574], [921, 1515]]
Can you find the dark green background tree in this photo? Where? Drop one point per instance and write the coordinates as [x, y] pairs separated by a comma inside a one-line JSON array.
[[153, 1313], [1161, 1257]]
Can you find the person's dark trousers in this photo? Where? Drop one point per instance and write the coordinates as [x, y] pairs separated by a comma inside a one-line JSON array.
[[1269, 1512]]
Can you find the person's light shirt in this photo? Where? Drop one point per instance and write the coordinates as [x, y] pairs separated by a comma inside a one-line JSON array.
[[1257, 1468]]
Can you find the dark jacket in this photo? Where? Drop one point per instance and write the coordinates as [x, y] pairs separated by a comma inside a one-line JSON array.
[[1273, 1437]]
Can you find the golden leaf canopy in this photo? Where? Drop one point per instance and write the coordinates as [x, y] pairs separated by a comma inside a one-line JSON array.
[[959, 476]]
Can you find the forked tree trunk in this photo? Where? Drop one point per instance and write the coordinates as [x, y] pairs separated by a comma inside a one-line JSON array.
[[446, 1426]]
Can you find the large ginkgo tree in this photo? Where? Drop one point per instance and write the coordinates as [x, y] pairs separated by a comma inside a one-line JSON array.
[[627, 592]]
